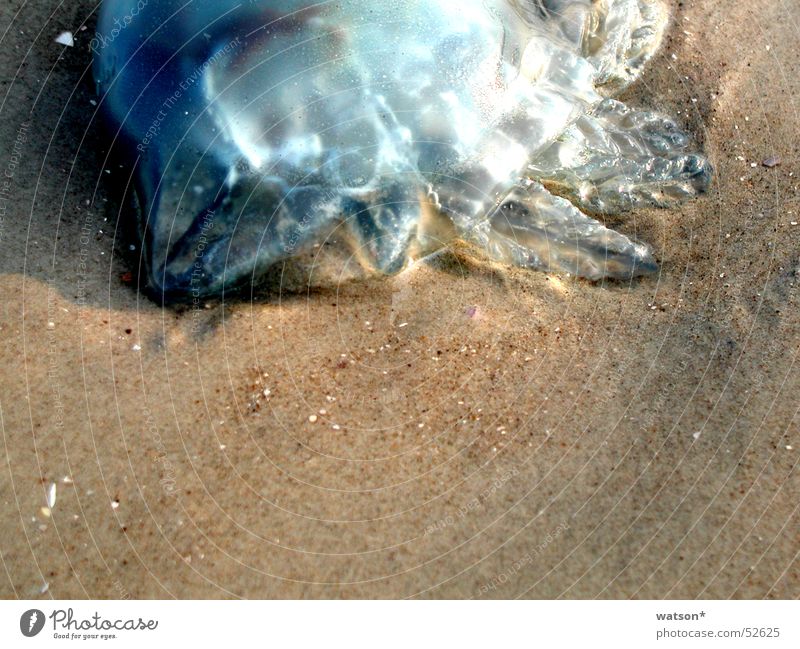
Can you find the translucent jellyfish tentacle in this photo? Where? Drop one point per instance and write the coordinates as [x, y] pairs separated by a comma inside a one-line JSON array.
[[617, 158], [617, 36], [384, 229], [623, 35], [532, 228]]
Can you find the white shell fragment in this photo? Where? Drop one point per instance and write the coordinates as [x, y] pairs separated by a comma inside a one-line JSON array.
[[51, 495], [65, 38]]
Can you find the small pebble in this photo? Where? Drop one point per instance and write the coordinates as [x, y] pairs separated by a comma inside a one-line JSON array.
[[313, 419], [772, 161]]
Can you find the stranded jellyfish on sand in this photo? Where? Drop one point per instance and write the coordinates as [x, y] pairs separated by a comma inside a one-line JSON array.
[[261, 130]]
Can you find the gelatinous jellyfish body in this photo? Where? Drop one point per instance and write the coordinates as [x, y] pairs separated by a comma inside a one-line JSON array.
[[261, 130]]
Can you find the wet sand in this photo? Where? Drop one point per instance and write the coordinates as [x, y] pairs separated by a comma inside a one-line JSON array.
[[465, 430]]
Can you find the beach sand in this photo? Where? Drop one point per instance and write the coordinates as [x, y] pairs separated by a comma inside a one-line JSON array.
[[464, 430]]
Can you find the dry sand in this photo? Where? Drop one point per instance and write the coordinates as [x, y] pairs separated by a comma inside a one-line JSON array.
[[521, 436]]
